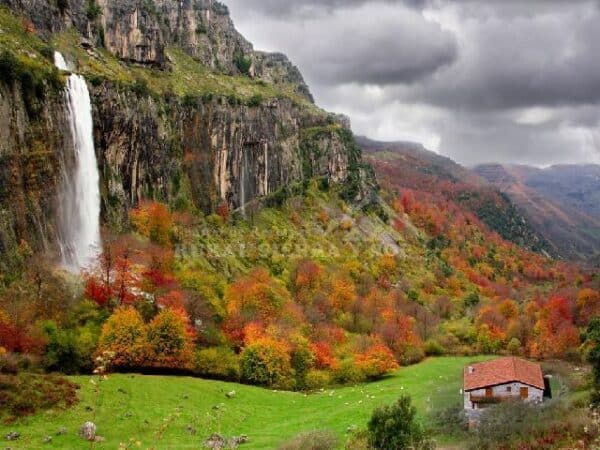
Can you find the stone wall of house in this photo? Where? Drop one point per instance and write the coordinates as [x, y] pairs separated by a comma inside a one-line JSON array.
[[508, 390]]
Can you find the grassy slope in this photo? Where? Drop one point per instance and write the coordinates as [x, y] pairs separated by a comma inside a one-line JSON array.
[[268, 417]]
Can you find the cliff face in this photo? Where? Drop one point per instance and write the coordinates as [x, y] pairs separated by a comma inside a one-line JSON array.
[[206, 151], [225, 125], [34, 153]]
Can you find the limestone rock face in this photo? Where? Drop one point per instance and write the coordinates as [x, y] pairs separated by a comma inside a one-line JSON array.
[[207, 152], [132, 31], [277, 69], [34, 149]]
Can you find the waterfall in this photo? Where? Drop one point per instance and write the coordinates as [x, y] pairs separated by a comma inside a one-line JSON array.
[[79, 202]]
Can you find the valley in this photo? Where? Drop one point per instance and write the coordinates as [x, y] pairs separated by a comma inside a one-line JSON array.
[[191, 250]]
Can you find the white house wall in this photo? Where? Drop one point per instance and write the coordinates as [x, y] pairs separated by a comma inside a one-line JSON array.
[[500, 391]]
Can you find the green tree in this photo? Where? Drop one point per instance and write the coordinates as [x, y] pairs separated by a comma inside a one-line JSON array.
[[593, 355], [395, 427]]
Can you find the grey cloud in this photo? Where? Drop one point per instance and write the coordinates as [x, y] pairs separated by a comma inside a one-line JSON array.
[[283, 7], [385, 45], [466, 77], [540, 60]]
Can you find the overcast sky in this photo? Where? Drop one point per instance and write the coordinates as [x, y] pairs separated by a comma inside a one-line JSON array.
[[515, 81]]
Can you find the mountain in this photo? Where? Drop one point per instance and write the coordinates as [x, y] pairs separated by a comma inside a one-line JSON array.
[[562, 202], [184, 111], [409, 166]]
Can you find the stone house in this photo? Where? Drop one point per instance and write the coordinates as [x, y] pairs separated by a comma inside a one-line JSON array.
[[488, 383]]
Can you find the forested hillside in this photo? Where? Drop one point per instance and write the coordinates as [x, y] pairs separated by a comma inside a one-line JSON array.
[[244, 236]]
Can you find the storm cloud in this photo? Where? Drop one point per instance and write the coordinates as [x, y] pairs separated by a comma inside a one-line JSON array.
[[496, 80]]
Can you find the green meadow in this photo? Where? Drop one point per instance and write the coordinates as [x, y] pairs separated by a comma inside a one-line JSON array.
[[162, 412]]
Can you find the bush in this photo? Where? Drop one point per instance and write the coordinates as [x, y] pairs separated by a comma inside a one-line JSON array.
[[217, 362], [517, 425], [317, 379], [395, 427], [93, 10], [69, 351], [514, 346], [25, 394], [358, 440], [313, 440], [451, 420], [266, 362], [349, 373], [255, 101], [140, 88], [434, 348], [242, 63]]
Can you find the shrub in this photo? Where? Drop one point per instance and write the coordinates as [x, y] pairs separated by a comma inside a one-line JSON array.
[[514, 346], [302, 360], [471, 300], [349, 373], [312, 440], [317, 379], [217, 362], [517, 425], [450, 420], [395, 427], [358, 440], [93, 10], [255, 101], [434, 348], [242, 63], [25, 394], [266, 362], [69, 351], [140, 88]]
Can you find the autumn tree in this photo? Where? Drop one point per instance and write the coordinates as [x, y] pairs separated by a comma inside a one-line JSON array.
[[125, 334], [376, 360], [255, 297], [588, 304], [154, 221], [170, 339], [266, 362]]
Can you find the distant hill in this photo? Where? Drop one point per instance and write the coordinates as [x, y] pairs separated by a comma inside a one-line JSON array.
[[407, 165], [562, 202]]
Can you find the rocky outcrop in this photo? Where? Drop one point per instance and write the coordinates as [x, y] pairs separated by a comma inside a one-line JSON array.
[[207, 151], [276, 68], [131, 31]]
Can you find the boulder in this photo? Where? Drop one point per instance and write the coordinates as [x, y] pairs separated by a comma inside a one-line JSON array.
[[88, 431]]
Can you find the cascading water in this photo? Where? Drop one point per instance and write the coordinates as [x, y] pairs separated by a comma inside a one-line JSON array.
[[80, 197]]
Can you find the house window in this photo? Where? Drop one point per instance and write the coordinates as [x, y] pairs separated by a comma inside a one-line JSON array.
[[488, 392], [508, 388]]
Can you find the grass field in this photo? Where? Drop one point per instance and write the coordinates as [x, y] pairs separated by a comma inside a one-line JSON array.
[[156, 411]]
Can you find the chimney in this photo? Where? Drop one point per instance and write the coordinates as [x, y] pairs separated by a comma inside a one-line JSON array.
[[471, 369]]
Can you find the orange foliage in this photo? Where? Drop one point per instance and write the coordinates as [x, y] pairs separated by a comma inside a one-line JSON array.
[[154, 221], [377, 360]]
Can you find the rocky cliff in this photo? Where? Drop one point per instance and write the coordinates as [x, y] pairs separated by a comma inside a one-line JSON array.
[[185, 111]]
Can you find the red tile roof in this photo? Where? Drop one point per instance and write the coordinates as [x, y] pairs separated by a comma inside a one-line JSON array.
[[501, 371]]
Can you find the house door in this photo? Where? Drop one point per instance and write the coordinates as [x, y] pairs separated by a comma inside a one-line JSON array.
[[488, 392], [524, 392]]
